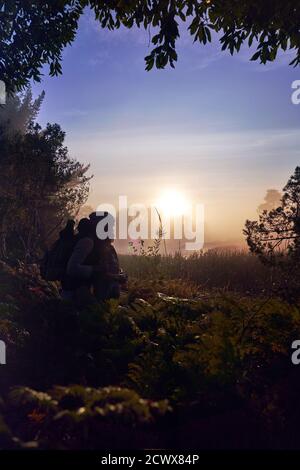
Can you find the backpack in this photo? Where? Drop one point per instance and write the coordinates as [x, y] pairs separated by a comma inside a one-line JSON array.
[[53, 266]]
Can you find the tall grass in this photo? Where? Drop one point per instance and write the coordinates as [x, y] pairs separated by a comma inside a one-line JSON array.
[[234, 271]]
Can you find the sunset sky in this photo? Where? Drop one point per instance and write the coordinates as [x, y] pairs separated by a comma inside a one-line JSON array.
[[221, 130]]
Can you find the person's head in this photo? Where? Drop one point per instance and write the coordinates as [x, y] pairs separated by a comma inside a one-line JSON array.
[[84, 227]]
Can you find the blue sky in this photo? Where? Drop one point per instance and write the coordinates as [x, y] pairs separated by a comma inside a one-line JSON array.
[[219, 128]]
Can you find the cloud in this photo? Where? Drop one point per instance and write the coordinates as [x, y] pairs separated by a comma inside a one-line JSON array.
[[132, 151]]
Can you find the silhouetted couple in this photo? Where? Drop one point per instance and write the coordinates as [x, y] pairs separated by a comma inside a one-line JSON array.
[[93, 270]]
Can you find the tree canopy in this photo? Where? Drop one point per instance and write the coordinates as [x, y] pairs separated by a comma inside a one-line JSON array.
[[34, 33], [276, 236], [41, 186]]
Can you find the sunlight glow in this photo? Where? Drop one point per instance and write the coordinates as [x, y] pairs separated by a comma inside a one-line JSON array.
[[172, 203]]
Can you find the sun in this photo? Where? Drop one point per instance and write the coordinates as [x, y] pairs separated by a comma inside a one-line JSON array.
[[172, 203]]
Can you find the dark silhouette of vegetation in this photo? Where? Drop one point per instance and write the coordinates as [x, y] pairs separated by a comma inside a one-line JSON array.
[[276, 236], [204, 371], [35, 33], [40, 185]]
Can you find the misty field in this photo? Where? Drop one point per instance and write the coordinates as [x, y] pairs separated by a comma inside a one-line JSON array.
[[234, 271], [196, 354]]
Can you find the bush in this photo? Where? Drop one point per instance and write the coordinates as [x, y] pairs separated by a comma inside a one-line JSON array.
[[207, 354]]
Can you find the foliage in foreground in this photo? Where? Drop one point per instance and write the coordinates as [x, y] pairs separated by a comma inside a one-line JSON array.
[[208, 356], [76, 416]]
